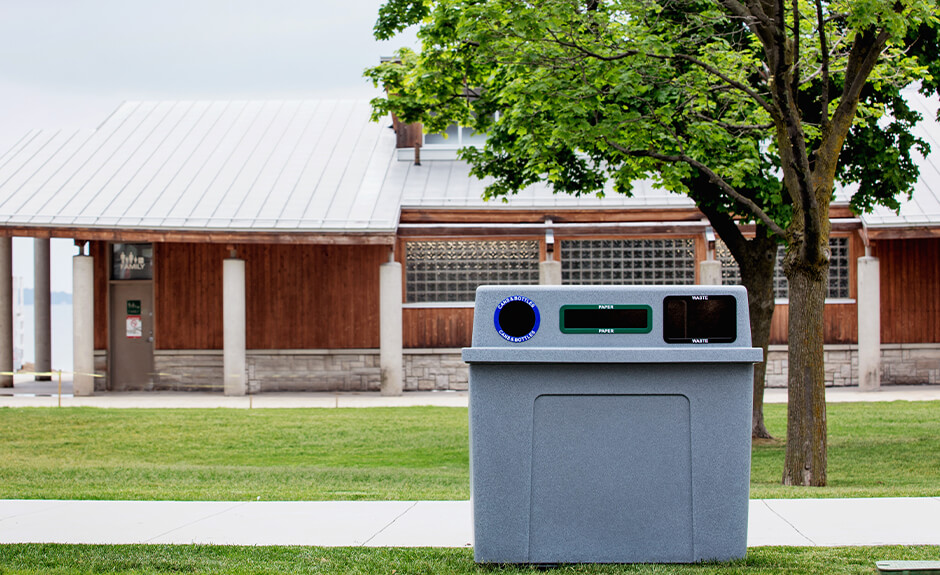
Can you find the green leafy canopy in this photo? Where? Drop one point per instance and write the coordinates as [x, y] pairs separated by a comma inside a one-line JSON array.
[[592, 96]]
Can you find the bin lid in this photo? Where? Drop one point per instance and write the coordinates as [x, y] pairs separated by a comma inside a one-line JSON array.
[[611, 324], [701, 354]]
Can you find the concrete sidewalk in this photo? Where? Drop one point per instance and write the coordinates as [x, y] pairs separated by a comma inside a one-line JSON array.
[[791, 522], [29, 393]]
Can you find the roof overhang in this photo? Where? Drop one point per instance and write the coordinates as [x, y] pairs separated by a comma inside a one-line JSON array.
[[905, 232], [202, 236]]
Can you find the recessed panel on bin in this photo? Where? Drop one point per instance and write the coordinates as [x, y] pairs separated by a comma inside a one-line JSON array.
[[606, 318], [611, 479]]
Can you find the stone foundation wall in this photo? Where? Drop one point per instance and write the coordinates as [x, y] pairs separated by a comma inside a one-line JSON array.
[[188, 370], [910, 364], [271, 370], [309, 370], [435, 369], [900, 364], [443, 369], [336, 370]]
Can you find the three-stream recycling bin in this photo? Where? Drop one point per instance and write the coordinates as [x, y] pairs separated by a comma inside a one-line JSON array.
[[610, 424]]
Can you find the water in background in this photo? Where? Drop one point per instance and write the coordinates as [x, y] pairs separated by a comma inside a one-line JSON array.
[[61, 336]]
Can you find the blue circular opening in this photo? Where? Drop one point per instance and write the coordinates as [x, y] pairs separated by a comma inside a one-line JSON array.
[[517, 318]]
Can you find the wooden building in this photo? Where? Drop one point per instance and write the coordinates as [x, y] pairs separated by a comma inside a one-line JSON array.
[[263, 246]]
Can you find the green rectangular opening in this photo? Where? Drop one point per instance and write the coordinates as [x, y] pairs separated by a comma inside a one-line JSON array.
[[606, 318]]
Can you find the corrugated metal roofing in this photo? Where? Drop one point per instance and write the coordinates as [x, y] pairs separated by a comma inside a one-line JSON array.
[[288, 166], [283, 166], [923, 209], [448, 184]]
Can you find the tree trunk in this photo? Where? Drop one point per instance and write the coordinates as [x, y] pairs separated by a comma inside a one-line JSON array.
[[805, 461], [757, 275]]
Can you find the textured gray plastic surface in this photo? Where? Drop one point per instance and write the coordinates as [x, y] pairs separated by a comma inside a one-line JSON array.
[[579, 454]]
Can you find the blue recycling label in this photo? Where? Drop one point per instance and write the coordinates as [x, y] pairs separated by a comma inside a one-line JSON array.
[[516, 338]]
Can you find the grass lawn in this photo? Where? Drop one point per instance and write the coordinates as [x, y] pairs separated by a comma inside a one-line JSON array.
[[153, 559], [875, 450]]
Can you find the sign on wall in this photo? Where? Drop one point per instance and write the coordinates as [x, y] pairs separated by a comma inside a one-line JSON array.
[[131, 261], [135, 327]]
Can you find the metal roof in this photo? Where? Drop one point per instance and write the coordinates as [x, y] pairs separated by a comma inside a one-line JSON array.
[[278, 166], [287, 167], [923, 209], [448, 184]]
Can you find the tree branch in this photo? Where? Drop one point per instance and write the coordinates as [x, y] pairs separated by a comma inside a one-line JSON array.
[[863, 57], [728, 80], [824, 64], [736, 127], [763, 103], [712, 176], [795, 64]]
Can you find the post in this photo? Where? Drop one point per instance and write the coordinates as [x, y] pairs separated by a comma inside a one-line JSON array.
[[233, 323], [83, 324], [549, 269], [42, 309], [709, 269], [390, 336], [6, 311], [869, 324], [709, 272], [550, 273]]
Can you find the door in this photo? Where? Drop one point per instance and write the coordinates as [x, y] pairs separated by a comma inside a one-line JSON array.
[[131, 335]]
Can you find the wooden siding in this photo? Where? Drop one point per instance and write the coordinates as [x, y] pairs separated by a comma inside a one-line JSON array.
[[299, 297], [910, 290], [316, 297], [437, 327], [841, 324], [187, 292]]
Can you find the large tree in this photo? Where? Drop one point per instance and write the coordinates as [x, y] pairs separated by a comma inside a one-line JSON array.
[[724, 99]]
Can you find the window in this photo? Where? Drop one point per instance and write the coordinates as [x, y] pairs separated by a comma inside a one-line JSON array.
[[628, 262], [838, 269], [457, 137], [451, 271]]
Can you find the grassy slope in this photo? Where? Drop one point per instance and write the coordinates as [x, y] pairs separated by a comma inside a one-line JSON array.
[[875, 449], [154, 559]]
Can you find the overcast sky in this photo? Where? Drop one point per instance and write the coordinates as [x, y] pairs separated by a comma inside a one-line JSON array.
[[68, 64]]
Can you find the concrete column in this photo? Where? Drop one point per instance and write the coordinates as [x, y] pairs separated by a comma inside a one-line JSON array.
[[83, 324], [390, 336], [550, 273], [709, 273], [6, 311], [233, 324], [42, 308], [869, 324]]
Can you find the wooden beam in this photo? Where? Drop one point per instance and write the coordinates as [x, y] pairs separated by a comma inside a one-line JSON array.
[[525, 215], [905, 233], [593, 229], [202, 236]]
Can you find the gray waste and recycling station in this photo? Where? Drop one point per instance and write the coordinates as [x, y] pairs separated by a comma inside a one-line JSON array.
[[610, 424]]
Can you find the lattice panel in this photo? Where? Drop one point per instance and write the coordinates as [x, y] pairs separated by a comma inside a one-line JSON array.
[[628, 262], [839, 268], [451, 271]]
